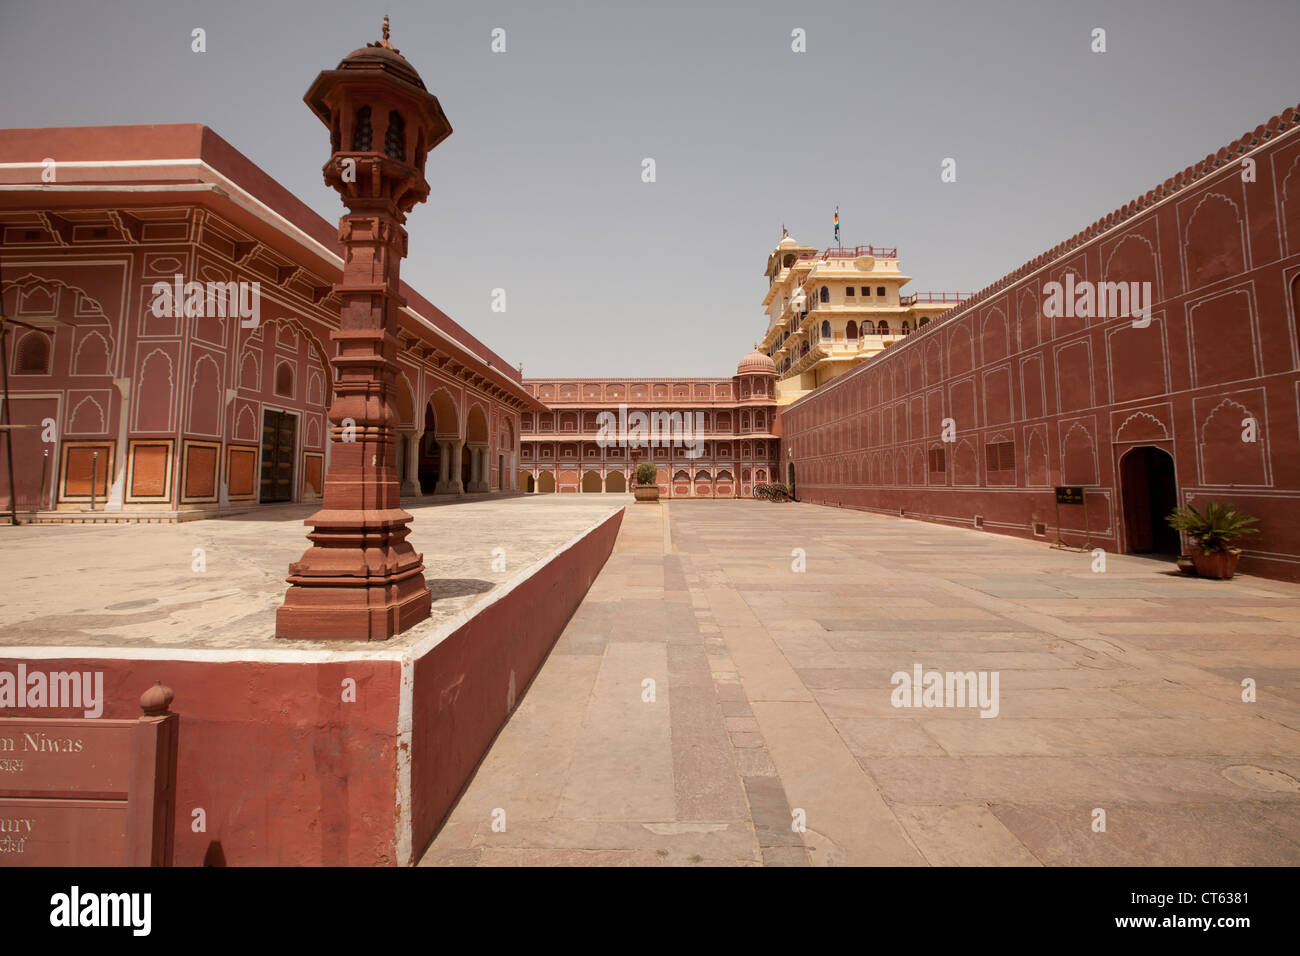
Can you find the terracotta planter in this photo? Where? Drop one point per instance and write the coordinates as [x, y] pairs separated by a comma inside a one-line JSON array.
[[646, 492], [1219, 565]]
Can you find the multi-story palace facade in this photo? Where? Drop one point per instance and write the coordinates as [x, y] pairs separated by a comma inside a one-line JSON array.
[[721, 440], [829, 311], [150, 410]]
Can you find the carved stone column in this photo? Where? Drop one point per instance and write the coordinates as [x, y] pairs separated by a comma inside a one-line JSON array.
[[360, 579], [455, 485], [411, 479], [444, 459], [478, 468]]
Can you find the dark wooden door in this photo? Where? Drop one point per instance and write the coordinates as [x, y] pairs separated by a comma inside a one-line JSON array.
[[1150, 492], [277, 456], [1137, 494]]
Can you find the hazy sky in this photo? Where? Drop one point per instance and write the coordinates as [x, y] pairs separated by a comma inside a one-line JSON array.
[[539, 190]]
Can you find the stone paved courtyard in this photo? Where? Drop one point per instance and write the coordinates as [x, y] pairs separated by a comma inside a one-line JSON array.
[[1119, 691]]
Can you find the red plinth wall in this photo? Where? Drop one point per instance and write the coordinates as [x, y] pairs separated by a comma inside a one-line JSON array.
[[1200, 405], [276, 766]]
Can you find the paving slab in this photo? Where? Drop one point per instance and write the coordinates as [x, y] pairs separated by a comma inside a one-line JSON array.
[[622, 764], [963, 835]]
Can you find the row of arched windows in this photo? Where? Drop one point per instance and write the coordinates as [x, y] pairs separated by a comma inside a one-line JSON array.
[[34, 354], [852, 331], [824, 294]]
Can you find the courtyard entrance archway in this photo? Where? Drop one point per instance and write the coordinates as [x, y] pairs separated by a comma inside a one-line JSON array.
[[430, 452], [1149, 492]]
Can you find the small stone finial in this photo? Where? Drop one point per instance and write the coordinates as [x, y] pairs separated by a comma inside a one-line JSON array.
[[384, 39], [155, 701]]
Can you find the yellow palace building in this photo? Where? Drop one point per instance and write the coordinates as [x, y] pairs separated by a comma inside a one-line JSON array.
[[831, 310]]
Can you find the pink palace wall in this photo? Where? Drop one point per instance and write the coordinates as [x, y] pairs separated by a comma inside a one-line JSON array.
[[1038, 401]]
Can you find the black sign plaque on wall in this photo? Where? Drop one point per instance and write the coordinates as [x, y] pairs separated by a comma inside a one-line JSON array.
[[1072, 495]]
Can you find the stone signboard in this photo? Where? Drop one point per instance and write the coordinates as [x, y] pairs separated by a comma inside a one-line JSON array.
[[89, 792]]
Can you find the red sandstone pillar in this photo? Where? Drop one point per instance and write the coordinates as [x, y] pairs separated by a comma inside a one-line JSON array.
[[361, 579]]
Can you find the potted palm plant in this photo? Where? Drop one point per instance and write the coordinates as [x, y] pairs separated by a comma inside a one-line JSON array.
[[647, 487], [1212, 533]]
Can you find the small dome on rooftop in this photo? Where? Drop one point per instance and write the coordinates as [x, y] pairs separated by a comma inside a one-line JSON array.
[[755, 361]]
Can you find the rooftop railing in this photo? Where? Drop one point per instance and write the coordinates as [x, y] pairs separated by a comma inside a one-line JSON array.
[[852, 252], [938, 298]]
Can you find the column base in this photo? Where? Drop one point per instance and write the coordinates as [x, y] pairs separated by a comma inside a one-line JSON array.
[[359, 581], [369, 612]]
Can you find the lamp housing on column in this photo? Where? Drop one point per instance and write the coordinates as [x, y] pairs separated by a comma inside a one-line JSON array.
[[383, 123]]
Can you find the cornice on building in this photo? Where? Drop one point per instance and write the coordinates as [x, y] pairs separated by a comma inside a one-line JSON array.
[[536, 436]]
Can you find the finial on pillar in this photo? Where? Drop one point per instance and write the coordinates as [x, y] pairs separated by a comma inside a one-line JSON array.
[[155, 701], [382, 42]]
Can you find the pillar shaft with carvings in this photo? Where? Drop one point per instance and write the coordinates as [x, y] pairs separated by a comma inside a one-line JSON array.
[[361, 579]]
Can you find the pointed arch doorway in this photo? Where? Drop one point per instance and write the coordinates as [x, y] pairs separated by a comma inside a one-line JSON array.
[[1149, 491]]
